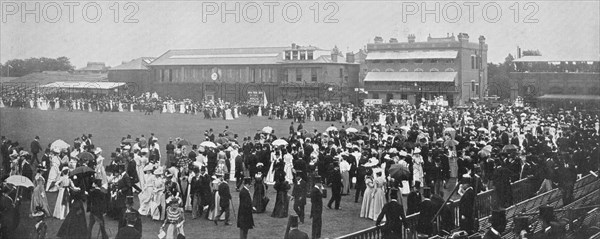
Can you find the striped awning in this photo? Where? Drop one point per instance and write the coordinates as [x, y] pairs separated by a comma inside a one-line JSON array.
[[408, 55], [84, 85]]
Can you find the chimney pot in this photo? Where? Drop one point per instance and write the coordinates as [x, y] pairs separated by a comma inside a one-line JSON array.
[[411, 38]]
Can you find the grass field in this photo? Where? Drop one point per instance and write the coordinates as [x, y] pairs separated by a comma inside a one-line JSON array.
[[107, 130]]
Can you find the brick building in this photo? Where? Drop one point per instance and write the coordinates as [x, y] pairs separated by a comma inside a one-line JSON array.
[[135, 73], [290, 73], [451, 67], [545, 81]]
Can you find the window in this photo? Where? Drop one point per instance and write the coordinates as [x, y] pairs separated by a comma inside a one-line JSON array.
[[419, 61], [449, 70], [450, 61], [434, 70], [433, 61], [389, 61], [341, 72], [313, 74], [472, 62], [170, 75], [294, 55], [418, 70], [402, 61], [389, 70], [375, 96], [477, 89], [161, 77], [403, 96], [376, 61], [309, 55], [285, 75], [403, 70], [389, 97], [298, 74], [288, 55], [302, 55]]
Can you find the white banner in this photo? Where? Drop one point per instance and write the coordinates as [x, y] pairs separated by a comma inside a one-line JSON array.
[[371, 102]]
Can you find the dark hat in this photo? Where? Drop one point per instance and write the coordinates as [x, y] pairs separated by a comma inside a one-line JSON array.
[[417, 184], [394, 193], [293, 221], [427, 192], [520, 223], [317, 179], [37, 137], [498, 219], [466, 179], [247, 180], [546, 213]]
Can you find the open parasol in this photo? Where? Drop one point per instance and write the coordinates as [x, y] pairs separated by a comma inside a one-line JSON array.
[[405, 128], [267, 129], [483, 130], [208, 144], [331, 128], [81, 170], [279, 142], [87, 156], [351, 130], [510, 148], [128, 141], [399, 171], [183, 142], [59, 145], [221, 140], [19, 181]]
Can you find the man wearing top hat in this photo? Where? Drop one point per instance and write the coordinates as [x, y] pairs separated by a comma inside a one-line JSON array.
[[294, 232], [225, 197], [97, 207], [466, 204], [35, 148], [245, 219], [427, 210], [394, 214], [498, 221], [316, 210], [299, 196]]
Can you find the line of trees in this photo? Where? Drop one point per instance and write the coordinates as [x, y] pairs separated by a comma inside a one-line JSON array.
[[20, 67], [498, 77]]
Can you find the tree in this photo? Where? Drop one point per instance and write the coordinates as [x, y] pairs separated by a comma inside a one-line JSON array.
[[20, 67], [498, 77], [532, 53]]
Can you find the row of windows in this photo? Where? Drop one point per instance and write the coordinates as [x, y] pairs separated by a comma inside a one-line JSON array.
[[416, 70], [419, 61], [299, 55]]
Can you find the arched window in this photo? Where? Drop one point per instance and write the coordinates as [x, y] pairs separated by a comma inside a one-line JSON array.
[[389, 70], [375, 70], [449, 70], [403, 70], [434, 70], [418, 70]]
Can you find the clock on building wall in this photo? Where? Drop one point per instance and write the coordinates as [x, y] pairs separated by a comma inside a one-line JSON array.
[[214, 76]]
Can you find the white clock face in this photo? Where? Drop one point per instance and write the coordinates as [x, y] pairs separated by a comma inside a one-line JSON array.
[[214, 76]]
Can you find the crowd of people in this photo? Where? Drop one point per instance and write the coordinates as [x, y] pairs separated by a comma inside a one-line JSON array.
[[384, 153]]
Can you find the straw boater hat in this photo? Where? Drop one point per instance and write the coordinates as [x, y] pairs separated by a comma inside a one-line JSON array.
[[98, 150], [372, 162], [417, 151], [149, 167], [158, 171]]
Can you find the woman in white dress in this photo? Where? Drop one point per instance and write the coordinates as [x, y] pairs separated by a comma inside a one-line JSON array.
[[158, 203], [61, 208], [100, 170], [288, 166], [365, 209], [54, 173], [141, 161], [146, 195], [417, 166], [378, 195], [215, 209], [275, 157]]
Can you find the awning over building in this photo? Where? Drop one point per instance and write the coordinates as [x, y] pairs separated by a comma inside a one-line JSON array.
[[85, 85], [411, 76], [408, 55], [570, 97]]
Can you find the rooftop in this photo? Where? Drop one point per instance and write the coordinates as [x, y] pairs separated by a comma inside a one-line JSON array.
[[554, 59], [411, 76], [84, 85], [406, 55], [135, 64]]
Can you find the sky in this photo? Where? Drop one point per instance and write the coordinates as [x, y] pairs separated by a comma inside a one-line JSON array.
[[127, 30]]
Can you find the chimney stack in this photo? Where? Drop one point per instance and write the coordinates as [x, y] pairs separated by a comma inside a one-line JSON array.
[[293, 46], [378, 39], [350, 57], [411, 38], [518, 52], [334, 54], [393, 40], [481, 40], [463, 37]]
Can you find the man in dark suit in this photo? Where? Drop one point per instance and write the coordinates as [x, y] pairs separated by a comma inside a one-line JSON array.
[[239, 169], [316, 210], [132, 214], [129, 231], [45, 163], [299, 196], [225, 197], [414, 199], [466, 205], [97, 207], [196, 193], [294, 232], [394, 214], [245, 220], [335, 179], [426, 212], [35, 149]]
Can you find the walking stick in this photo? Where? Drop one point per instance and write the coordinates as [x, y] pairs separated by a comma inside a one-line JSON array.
[[232, 206]]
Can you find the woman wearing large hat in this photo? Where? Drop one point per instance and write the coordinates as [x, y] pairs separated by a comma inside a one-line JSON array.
[[175, 218]]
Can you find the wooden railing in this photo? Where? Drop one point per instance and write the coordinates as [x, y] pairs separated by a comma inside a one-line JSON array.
[[522, 192]]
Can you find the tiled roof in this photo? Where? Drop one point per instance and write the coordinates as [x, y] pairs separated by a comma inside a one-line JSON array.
[[411, 76], [407, 55], [569, 97], [43, 78], [223, 56], [135, 64]]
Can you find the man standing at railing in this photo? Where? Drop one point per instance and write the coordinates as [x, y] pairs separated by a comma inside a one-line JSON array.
[[466, 204], [394, 214], [427, 210]]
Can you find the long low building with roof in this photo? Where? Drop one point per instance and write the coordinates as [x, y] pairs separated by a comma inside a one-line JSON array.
[[292, 73]]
